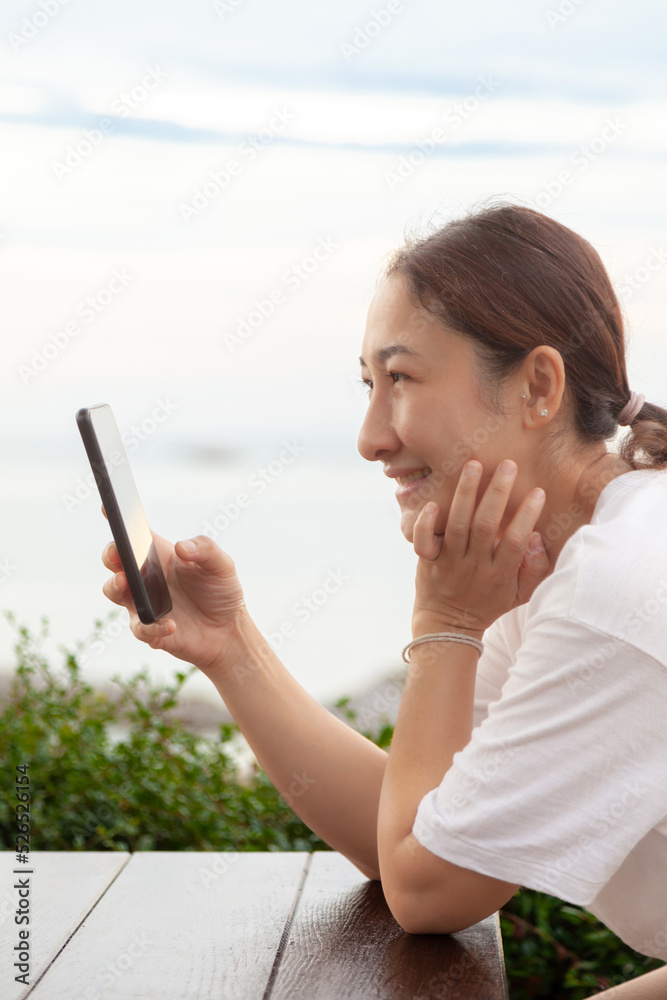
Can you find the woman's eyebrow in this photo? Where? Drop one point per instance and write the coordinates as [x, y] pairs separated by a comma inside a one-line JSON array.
[[384, 353]]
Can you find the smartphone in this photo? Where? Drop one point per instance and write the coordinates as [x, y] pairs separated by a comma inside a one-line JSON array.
[[125, 513]]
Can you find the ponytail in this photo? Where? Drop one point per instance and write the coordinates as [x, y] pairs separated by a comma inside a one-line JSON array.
[[645, 447]]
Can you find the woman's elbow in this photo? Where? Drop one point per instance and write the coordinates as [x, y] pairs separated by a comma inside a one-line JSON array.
[[416, 914], [370, 873]]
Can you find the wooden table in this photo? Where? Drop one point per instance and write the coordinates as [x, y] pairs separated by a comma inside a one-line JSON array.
[[192, 926]]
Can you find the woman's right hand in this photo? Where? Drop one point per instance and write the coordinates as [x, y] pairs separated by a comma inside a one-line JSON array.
[[206, 595]]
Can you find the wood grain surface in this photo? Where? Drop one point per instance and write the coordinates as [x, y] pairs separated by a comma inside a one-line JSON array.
[[344, 943], [240, 926], [181, 926], [64, 887]]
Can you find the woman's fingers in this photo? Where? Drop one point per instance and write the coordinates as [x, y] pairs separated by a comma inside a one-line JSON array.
[[426, 543], [110, 557], [117, 590], [534, 568], [457, 530], [467, 525], [152, 634], [478, 527], [489, 514], [514, 543]]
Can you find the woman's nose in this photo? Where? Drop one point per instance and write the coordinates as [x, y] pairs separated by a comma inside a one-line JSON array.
[[377, 436]]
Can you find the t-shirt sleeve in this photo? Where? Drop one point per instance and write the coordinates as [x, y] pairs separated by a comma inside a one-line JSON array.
[[567, 772], [493, 666]]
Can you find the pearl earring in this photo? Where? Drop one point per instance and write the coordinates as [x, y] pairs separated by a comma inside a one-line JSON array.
[[543, 413]]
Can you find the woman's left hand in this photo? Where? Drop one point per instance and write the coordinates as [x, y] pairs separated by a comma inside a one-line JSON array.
[[469, 577]]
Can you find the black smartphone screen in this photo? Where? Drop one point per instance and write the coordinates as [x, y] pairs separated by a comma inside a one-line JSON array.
[[125, 512]]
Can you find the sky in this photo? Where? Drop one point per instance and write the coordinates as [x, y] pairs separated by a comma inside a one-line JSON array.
[[198, 199], [116, 122]]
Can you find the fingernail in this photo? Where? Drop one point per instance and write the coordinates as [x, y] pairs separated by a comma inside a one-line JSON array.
[[189, 545], [535, 542], [430, 508], [507, 466]]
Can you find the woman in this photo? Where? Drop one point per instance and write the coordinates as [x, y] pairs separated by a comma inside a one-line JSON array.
[[494, 356]]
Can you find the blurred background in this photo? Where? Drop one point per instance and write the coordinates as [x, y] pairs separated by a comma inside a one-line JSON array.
[[196, 202]]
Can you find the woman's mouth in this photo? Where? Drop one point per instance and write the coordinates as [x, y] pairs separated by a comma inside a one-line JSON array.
[[412, 483]]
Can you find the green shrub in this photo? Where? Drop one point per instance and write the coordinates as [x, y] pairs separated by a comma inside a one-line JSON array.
[[159, 787], [554, 949], [162, 787]]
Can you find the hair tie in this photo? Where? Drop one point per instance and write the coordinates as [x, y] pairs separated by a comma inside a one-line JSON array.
[[631, 409]]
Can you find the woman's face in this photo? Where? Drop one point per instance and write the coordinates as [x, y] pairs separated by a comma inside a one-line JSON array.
[[423, 413]]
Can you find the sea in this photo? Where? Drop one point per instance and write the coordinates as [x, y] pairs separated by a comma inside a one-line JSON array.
[[314, 533]]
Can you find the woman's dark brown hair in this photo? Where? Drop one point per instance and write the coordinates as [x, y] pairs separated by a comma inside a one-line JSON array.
[[510, 279]]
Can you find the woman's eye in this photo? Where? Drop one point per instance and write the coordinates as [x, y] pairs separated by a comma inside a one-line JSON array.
[[368, 383]]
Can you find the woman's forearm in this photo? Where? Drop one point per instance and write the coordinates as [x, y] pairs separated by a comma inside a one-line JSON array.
[[329, 774], [434, 722], [650, 986]]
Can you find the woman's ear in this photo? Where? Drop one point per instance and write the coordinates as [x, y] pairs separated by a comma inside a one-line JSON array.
[[543, 373]]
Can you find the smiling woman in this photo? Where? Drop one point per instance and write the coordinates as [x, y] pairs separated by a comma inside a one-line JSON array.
[[530, 746]]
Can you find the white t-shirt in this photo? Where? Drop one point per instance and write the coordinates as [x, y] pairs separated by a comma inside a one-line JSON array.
[[563, 785]]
